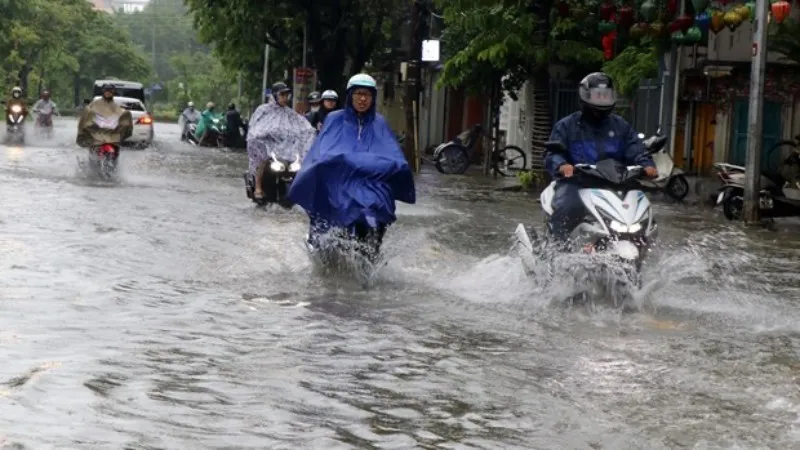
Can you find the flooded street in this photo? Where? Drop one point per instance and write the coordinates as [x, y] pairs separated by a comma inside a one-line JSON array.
[[166, 312]]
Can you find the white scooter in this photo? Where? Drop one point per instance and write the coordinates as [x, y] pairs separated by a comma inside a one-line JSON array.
[[619, 219], [671, 180]]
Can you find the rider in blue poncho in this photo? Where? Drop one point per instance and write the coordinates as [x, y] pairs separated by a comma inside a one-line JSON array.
[[355, 170]]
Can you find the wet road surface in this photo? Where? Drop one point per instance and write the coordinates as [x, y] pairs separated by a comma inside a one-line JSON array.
[[165, 312]]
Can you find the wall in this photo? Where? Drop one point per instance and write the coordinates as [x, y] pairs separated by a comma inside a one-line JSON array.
[[516, 118], [432, 112]]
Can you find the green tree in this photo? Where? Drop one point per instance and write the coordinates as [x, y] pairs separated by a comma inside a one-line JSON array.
[[488, 39], [63, 45], [342, 36], [785, 38]]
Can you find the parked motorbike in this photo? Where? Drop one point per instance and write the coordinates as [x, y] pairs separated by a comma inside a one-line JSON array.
[[15, 125], [777, 197], [277, 176], [671, 180]]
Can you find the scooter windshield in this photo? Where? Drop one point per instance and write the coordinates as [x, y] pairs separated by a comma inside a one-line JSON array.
[[610, 171]]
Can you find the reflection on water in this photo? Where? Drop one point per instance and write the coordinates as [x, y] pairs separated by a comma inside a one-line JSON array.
[[166, 312]]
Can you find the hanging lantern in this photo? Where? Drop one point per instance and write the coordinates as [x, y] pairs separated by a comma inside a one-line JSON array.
[[702, 21], [657, 29], [673, 26], [638, 30], [605, 27], [608, 46], [563, 9], [743, 11], [780, 10], [700, 5], [693, 35], [732, 19], [677, 37], [751, 8], [717, 21], [672, 8], [580, 13], [625, 17], [606, 10], [685, 21], [649, 11]]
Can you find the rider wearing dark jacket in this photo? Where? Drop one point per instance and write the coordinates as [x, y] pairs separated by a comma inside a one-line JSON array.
[[330, 101], [234, 122], [589, 135], [314, 101]]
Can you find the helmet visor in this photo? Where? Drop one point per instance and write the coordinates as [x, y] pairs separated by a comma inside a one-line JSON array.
[[603, 97]]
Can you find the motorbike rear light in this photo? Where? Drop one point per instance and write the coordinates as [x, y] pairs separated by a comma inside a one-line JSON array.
[[107, 148], [145, 120]]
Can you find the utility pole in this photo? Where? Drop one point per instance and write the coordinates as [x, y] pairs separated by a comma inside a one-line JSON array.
[[755, 116], [305, 43], [266, 73], [152, 6], [412, 87]]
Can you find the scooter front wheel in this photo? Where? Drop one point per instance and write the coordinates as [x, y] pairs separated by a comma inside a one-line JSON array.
[[677, 187]]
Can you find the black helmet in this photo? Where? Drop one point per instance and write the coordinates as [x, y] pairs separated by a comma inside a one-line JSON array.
[[314, 97], [279, 88], [597, 95]]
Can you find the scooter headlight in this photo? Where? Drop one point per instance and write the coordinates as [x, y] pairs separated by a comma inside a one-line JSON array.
[[277, 166], [16, 109], [294, 167], [622, 228]]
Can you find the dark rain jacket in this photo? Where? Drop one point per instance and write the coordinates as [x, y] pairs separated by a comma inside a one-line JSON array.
[[588, 143]]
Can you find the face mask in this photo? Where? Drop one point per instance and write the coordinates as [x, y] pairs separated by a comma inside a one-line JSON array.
[[314, 108]]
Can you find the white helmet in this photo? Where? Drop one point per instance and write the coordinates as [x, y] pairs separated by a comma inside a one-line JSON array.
[[210, 105], [362, 80], [190, 104], [330, 95]]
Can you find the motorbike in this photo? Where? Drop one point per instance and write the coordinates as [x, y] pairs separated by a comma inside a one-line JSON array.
[[44, 122], [103, 160], [277, 176], [357, 246], [619, 220], [15, 125], [216, 128], [777, 197], [671, 180]]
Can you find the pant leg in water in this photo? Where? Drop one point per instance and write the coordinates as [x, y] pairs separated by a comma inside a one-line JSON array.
[[568, 210]]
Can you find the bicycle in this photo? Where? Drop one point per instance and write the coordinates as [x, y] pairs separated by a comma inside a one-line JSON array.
[[453, 157]]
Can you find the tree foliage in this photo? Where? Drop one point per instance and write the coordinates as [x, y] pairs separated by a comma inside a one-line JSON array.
[[487, 39], [62, 45], [631, 66], [342, 36], [785, 39]]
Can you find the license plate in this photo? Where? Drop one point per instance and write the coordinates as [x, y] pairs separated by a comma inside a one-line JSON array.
[[719, 197]]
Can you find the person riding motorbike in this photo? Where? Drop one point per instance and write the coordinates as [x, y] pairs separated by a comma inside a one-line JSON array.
[[104, 110], [188, 116], [314, 102], [15, 100], [233, 135], [276, 128], [355, 171], [329, 103], [589, 135], [203, 130], [44, 105]]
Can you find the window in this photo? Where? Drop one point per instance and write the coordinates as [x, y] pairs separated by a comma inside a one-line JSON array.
[[131, 106]]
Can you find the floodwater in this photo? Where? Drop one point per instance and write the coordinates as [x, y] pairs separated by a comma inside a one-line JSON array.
[[165, 312]]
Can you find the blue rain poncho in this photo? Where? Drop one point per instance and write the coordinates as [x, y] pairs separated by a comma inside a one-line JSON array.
[[354, 171]]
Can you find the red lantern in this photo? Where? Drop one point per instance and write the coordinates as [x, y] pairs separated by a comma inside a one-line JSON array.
[[606, 10], [685, 21], [780, 10], [672, 8], [608, 45], [563, 9], [625, 17]]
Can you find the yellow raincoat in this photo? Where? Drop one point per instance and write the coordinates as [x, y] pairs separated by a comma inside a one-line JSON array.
[[104, 122]]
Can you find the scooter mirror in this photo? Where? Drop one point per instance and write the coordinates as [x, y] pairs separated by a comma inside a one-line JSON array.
[[641, 135], [658, 130]]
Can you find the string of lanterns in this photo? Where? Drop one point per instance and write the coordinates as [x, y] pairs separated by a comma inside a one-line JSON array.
[[659, 18]]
